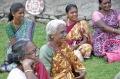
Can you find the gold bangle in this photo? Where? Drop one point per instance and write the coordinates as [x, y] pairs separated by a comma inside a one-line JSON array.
[[28, 71]]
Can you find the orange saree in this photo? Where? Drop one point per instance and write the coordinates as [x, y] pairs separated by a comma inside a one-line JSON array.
[[75, 34], [61, 68]]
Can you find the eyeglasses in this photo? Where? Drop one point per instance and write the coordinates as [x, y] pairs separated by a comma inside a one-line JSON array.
[[35, 51]]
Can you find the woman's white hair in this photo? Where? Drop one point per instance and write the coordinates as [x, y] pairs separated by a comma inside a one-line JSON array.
[[51, 27]]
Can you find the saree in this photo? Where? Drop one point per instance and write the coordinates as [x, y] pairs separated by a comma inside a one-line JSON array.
[[99, 36], [59, 67], [25, 31], [75, 34], [41, 71]]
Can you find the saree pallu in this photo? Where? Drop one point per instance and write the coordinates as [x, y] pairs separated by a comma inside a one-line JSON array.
[[26, 31], [61, 68], [76, 32], [99, 36], [41, 71]]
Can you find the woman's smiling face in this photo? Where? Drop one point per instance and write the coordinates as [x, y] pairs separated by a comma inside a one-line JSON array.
[[72, 14], [105, 5]]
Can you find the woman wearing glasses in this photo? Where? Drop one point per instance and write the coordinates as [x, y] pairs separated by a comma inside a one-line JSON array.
[[25, 54]]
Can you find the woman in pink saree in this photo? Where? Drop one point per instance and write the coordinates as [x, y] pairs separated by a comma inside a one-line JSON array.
[[78, 32], [105, 24]]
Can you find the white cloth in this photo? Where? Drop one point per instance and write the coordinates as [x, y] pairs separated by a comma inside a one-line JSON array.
[[16, 73], [79, 55]]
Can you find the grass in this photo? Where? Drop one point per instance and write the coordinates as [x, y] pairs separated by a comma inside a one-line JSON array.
[[96, 67]]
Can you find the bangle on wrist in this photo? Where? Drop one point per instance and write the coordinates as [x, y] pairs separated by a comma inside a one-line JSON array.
[[28, 71]]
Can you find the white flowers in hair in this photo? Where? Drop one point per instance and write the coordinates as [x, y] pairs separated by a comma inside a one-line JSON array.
[[52, 26]]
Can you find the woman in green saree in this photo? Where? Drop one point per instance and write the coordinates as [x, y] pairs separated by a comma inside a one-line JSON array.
[[17, 28]]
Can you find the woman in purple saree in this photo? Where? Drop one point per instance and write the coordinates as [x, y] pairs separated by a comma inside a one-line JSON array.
[[106, 23]]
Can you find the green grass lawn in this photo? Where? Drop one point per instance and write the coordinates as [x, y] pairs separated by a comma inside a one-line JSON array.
[[96, 67]]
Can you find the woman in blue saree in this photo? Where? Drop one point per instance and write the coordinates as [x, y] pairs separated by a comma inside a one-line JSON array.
[[17, 28]]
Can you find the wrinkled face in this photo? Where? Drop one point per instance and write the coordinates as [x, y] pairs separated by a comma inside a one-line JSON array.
[[19, 15], [32, 52], [105, 5], [60, 35], [72, 14]]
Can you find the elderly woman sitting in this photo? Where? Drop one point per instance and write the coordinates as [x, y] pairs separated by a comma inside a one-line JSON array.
[[58, 56], [25, 55]]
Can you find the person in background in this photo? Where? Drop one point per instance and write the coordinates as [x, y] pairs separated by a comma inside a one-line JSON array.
[[78, 32], [26, 55], [58, 56], [18, 27], [106, 23]]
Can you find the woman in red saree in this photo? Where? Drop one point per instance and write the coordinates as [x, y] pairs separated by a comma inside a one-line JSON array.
[[78, 32]]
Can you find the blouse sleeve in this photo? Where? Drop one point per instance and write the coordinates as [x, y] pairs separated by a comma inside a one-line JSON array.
[[16, 74], [46, 55], [10, 31], [96, 16], [119, 17]]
